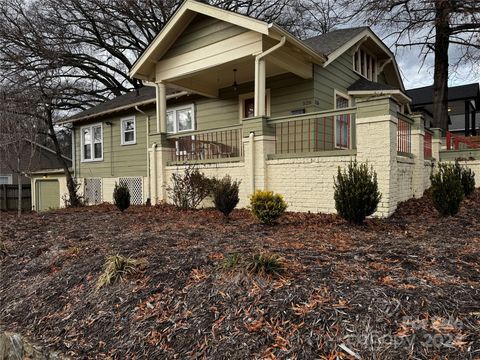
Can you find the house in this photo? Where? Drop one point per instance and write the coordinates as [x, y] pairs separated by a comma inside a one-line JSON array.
[[33, 157], [463, 106], [235, 95]]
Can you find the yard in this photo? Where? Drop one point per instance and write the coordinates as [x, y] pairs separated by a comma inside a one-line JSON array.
[[406, 287]]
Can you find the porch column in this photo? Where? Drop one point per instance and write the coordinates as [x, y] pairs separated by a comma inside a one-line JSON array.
[[376, 134], [260, 88], [436, 143], [418, 141], [161, 108]]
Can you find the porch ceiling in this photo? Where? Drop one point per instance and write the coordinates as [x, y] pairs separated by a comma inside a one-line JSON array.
[[208, 82]]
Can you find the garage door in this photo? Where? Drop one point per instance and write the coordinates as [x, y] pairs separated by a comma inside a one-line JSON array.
[[48, 195]]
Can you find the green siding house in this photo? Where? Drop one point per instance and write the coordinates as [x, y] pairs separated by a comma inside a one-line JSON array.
[[235, 95]]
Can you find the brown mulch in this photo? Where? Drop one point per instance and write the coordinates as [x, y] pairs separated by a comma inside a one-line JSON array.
[[405, 287]]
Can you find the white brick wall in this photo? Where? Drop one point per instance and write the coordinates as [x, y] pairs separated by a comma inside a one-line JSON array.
[[306, 183]]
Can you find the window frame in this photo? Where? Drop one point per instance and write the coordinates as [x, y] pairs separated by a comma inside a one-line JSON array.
[[92, 143], [374, 76], [250, 95], [9, 179], [175, 122], [349, 138], [122, 131]]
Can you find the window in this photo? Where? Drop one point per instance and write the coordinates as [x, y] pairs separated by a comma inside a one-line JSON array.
[[5, 179], [128, 131], [342, 122], [92, 142], [365, 64], [180, 119], [247, 105]]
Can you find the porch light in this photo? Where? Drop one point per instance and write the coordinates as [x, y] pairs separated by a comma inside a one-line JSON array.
[[235, 85]]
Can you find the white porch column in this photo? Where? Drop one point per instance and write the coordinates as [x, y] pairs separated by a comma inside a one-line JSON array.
[[161, 108], [260, 88]]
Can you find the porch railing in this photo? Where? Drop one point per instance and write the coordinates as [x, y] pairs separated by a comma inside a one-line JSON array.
[[314, 132], [427, 144], [404, 134], [221, 143], [456, 142]]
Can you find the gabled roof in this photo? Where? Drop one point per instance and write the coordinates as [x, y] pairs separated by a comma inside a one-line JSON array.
[[183, 16], [424, 95], [327, 43]]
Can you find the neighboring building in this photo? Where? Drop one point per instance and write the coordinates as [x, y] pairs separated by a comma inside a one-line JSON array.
[[238, 96], [33, 157], [463, 106]]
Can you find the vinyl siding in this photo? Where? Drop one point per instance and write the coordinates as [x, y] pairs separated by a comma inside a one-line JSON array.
[[203, 31], [118, 160]]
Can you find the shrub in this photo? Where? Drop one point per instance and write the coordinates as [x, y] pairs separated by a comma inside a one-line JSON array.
[[356, 192], [189, 189], [225, 194], [447, 190], [264, 264], [267, 206], [116, 268], [121, 197], [467, 178]]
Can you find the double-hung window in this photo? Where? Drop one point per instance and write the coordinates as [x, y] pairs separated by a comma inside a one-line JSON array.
[[129, 136], [181, 118], [5, 179], [342, 122], [92, 142]]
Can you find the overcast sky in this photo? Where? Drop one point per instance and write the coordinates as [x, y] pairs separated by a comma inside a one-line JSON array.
[[414, 75]]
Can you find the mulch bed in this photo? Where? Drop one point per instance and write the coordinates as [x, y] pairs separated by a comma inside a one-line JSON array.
[[405, 287]]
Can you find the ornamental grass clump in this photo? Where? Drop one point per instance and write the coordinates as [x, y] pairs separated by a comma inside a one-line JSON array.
[[121, 197], [264, 264], [116, 268], [225, 194], [447, 190], [267, 206], [356, 192]]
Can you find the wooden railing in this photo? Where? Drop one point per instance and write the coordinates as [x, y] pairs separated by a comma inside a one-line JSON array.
[[427, 144], [314, 132], [404, 134], [221, 143]]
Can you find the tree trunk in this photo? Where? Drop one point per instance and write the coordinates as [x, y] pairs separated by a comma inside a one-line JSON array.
[[71, 184], [440, 75]]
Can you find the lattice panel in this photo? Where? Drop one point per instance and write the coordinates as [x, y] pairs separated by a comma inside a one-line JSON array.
[[93, 191], [135, 186]]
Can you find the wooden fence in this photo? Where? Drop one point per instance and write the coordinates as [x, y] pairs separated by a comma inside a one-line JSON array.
[[9, 197]]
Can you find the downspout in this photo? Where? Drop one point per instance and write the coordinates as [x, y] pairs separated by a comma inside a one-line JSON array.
[[147, 117], [154, 173], [252, 159], [260, 77]]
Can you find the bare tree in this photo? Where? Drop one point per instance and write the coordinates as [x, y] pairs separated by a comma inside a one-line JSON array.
[[432, 25], [18, 135]]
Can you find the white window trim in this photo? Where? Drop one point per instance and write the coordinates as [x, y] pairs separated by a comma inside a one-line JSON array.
[[175, 124], [9, 179], [339, 93], [122, 131], [243, 97], [374, 78], [83, 160]]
